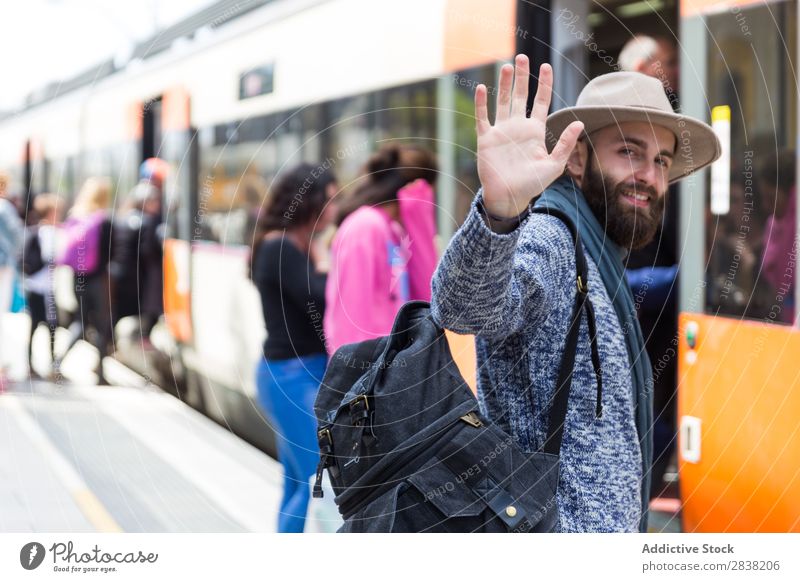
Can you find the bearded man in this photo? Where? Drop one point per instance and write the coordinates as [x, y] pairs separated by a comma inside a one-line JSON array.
[[508, 275]]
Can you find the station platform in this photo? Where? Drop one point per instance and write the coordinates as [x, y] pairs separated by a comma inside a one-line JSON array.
[[77, 457], [112, 458]]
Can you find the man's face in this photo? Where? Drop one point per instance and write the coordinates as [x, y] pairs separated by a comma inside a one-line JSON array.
[[626, 180]]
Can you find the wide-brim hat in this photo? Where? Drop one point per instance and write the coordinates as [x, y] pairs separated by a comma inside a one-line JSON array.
[[621, 97]]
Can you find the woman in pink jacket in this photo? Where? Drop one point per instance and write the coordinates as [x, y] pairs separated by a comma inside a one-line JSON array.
[[384, 252]]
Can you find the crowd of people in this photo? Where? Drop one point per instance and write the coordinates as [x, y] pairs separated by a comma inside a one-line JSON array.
[[113, 255]]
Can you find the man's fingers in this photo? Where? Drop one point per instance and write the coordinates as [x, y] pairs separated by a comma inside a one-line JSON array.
[[504, 95], [481, 111], [566, 143], [541, 103], [519, 101]]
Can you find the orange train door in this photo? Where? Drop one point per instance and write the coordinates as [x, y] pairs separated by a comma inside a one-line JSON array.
[[738, 344], [739, 437], [176, 149]]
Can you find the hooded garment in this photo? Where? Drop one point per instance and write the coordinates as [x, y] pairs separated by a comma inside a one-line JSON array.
[[378, 264]]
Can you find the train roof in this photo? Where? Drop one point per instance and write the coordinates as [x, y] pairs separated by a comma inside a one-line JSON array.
[[211, 17]]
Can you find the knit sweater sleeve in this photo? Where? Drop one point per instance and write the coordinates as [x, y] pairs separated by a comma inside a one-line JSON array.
[[491, 285]]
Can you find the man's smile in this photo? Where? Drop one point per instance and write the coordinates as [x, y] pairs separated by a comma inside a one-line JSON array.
[[636, 199]]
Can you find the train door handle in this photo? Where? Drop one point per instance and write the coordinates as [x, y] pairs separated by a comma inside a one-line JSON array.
[[690, 439]]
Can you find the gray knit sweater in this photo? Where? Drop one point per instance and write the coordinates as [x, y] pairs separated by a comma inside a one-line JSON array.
[[515, 293]]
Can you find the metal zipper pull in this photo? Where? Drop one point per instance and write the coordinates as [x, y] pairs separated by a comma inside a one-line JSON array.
[[472, 419]]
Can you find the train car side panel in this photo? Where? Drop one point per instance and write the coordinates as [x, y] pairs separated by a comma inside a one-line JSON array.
[[739, 438]]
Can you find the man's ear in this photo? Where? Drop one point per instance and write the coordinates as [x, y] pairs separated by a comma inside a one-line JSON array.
[[641, 66], [578, 160]]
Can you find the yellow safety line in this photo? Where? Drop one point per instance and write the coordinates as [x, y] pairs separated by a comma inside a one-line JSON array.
[[95, 511], [87, 502]]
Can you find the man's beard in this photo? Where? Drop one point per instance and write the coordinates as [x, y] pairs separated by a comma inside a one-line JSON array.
[[629, 226]]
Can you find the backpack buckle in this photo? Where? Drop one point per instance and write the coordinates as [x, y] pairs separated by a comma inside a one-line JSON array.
[[361, 418], [359, 409], [325, 462], [323, 435], [583, 288]]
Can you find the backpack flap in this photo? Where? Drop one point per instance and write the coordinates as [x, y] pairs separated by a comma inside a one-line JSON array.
[[480, 472], [446, 489], [371, 411]]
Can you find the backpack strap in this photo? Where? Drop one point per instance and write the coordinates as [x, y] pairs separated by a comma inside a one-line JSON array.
[[360, 358], [355, 359], [558, 408]]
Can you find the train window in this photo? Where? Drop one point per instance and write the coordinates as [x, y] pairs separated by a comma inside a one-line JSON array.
[[222, 133], [289, 139], [465, 82], [253, 129], [39, 169], [422, 99], [231, 186], [349, 135], [313, 133], [234, 167], [267, 159], [16, 183], [405, 112], [124, 159], [62, 178], [238, 160], [98, 162], [750, 247], [398, 114]]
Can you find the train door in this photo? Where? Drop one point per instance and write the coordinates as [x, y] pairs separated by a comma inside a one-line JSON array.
[[177, 146], [160, 128], [35, 169], [151, 128], [587, 37], [739, 383]]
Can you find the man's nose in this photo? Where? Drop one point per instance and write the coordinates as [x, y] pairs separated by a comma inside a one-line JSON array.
[[647, 174]]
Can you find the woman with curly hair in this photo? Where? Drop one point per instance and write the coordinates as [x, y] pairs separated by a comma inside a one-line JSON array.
[[293, 301]]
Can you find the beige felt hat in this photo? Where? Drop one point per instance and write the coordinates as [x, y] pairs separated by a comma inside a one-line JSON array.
[[625, 96]]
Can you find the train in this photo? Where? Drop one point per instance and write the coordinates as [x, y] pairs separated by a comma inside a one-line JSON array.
[[241, 90]]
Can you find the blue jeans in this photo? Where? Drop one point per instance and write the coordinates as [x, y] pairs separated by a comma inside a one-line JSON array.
[[286, 391]]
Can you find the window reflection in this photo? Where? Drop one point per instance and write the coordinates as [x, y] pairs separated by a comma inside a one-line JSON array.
[[750, 250], [239, 160]]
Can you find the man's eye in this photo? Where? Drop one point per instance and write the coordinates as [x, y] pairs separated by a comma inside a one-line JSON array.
[[627, 151], [663, 162]]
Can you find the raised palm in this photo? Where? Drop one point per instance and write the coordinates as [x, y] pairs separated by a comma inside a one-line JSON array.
[[514, 165]]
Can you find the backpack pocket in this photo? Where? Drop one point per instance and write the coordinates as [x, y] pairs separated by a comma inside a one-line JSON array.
[[407, 509], [456, 490], [447, 491], [378, 516]]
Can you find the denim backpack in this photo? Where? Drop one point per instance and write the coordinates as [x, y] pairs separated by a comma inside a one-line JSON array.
[[407, 448]]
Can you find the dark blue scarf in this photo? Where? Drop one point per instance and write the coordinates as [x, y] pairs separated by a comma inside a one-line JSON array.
[[564, 195]]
